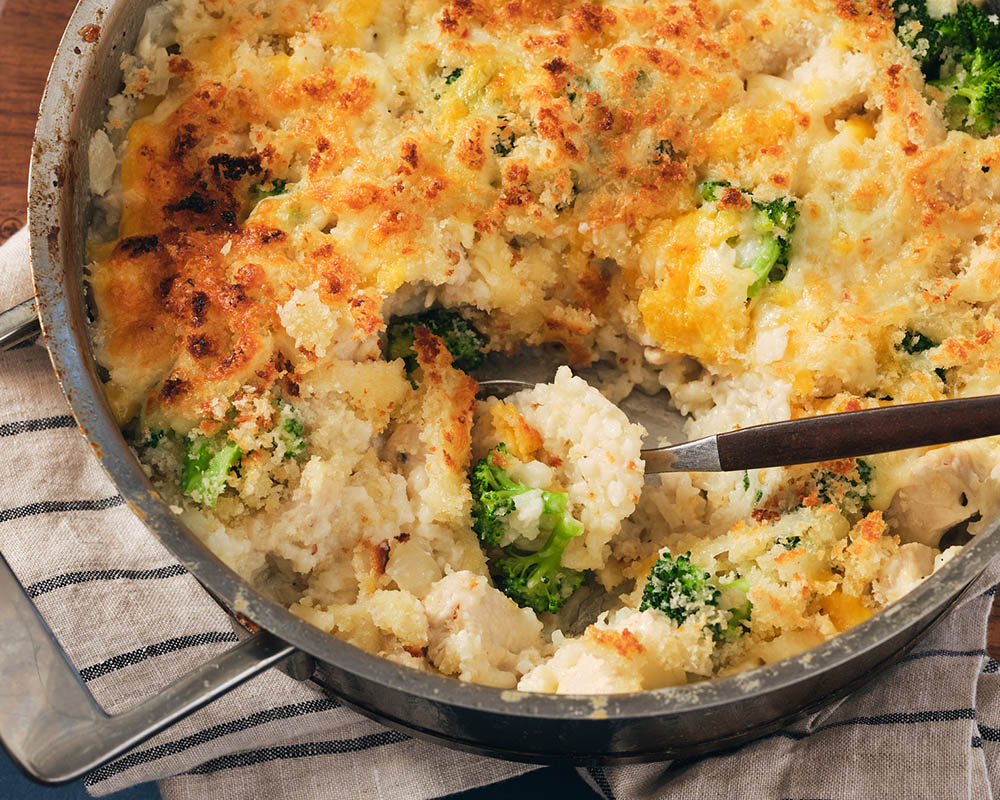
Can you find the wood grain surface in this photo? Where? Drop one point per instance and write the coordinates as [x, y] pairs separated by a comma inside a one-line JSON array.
[[29, 33]]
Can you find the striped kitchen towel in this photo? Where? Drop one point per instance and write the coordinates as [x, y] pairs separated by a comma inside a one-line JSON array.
[[131, 619]]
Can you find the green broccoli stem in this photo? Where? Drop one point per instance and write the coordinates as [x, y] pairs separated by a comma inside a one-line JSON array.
[[538, 580], [549, 556], [258, 192], [959, 54], [291, 435], [768, 252], [773, 225], [497, 479], [206, 465], [736, 626], [535, 580], [564, 527]]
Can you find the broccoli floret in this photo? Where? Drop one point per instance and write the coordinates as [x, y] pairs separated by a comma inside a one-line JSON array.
[[207, 462], [534, 580], [493, 491], [790, 542], [538, 580], [959, 55], [463, 341], [505, 138], [259, 191], [849, 489], [291, 435], [711, 191], [917, 29], [969, 73], [973, 92], [915, 342], [773, 223], [678, 588], [734, 597], [681, 590], [153, 438]]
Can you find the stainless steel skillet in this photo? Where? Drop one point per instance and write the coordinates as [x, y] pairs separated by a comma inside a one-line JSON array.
[[52, 727]]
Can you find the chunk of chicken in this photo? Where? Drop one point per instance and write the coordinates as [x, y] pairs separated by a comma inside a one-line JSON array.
[[947, 486], [478, 633], [908, 566]]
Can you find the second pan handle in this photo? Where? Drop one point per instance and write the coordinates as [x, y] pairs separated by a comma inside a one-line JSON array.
[[49, 722], [18, 323]]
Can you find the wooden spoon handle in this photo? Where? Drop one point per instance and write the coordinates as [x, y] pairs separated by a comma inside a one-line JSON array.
[[859, 433]]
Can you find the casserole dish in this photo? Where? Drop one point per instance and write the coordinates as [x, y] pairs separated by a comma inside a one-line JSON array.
[[44, 731]]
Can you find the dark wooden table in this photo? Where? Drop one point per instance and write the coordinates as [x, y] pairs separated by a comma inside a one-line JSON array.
[[29, 34]]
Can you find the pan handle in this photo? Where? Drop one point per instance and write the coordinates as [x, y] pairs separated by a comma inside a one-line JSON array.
[[49, 722], [18, 323]]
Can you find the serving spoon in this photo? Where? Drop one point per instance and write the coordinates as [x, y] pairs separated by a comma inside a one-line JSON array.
[[821, 438]]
